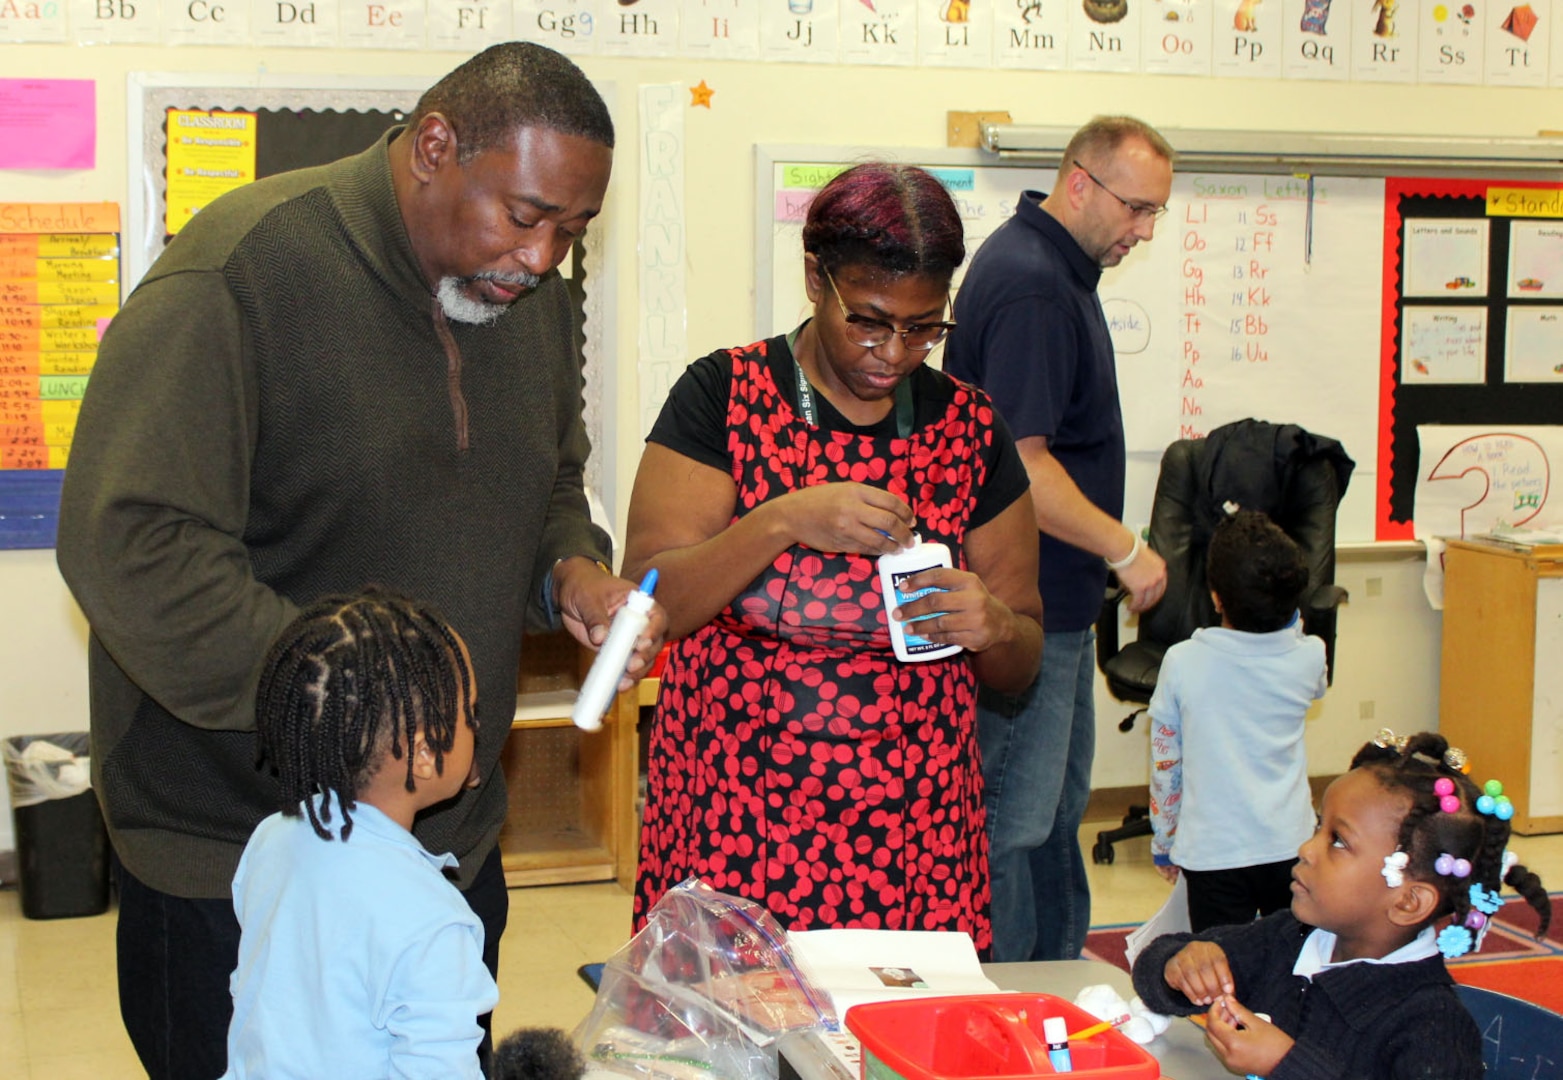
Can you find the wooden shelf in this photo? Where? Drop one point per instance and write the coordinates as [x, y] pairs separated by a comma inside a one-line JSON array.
[[572, 792], [1501, 690], [646, 692]]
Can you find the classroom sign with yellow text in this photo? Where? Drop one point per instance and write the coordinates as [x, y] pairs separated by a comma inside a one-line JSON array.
[[209, 154], [1525, 202]]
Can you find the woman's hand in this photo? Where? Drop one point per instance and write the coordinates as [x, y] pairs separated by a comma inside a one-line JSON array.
[[1244, 1041], [848, 517], [964, 613], [1199, 972], [1002, 553]]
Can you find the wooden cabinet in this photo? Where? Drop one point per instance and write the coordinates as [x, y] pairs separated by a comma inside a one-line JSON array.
[[572, 793], [1501, 695]]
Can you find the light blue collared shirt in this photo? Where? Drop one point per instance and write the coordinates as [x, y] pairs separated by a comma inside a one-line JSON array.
[[357, 959]]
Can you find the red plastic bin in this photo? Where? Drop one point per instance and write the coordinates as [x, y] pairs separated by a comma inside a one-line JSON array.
[[986, 1037]]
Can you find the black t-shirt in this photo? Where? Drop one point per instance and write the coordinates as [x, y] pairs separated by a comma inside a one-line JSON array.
[[693, 421]]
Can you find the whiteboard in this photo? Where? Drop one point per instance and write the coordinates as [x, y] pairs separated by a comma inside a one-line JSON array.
[[1259, 296]]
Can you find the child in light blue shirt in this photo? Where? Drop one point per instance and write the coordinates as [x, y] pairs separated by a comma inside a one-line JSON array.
[[358, 957], [1230, 801]]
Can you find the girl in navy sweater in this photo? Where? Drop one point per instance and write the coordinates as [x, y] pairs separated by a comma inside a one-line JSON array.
[[1351, 980]]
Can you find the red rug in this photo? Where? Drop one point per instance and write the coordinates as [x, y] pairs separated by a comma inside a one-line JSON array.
[[1511, 960]]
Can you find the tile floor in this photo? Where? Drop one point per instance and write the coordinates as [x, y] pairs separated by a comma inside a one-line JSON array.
[[59, 1010]]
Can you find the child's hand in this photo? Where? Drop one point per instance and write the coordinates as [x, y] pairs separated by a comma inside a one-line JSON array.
[[1169, 873], [1245, 1042], [1199, 971]]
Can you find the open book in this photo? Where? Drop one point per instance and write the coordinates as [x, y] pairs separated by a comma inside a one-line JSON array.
[[856, 967]]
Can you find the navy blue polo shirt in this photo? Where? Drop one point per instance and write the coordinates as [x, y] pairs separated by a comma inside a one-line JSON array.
[[1030, 331]]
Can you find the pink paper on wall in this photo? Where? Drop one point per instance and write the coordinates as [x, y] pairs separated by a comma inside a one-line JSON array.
[[48, 124]]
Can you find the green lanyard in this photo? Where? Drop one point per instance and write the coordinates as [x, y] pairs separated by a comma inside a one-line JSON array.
[[903, 394]]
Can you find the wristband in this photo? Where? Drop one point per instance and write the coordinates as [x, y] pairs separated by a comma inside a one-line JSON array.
[[1134, 553]]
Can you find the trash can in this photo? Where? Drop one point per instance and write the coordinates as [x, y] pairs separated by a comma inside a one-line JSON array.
[[62, 848]]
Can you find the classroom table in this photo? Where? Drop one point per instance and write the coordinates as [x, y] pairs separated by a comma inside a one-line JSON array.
[[1181, 1051]]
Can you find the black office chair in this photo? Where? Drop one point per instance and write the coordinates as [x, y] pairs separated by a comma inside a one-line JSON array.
[[1295, 477]]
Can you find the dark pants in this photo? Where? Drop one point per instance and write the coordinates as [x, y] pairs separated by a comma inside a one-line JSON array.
[[176, 955], [1223, 897]]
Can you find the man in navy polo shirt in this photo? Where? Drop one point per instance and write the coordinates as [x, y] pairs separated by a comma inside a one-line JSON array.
[[1030, 331]]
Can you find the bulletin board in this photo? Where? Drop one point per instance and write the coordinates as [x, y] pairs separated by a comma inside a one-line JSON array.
[[1473, 337], [1262, 294]]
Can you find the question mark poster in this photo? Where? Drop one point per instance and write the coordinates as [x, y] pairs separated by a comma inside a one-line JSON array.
[[1479, 480], [1475, 480]]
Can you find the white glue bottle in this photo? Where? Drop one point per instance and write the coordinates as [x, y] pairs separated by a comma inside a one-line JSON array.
[[1055, 1032], [602, 681], [894, 569]]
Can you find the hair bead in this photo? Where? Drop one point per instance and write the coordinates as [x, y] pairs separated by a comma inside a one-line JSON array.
[[1461, 855]]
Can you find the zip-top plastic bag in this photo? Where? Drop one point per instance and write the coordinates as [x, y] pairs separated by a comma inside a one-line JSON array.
[[702, 993]]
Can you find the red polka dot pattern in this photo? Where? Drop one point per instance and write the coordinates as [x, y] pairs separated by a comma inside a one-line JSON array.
[[793, 759]]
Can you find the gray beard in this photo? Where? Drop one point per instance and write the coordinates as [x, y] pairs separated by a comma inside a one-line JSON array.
[[459, 307]]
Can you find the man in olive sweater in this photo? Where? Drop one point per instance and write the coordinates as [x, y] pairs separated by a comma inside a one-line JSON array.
[[360, 373]]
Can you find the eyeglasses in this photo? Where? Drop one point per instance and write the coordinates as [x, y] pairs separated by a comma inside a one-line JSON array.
[[1138, 209], [869, 333]]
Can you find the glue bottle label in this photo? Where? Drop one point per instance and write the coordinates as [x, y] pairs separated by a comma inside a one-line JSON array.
[[894, 569]]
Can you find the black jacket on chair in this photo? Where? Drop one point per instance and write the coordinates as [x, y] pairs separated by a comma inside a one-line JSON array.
[[1295, 477]]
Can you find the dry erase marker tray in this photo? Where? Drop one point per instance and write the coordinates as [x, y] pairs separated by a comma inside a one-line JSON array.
[[985, 1037]]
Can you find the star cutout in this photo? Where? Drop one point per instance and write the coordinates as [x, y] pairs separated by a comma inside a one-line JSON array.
[[700, 95]]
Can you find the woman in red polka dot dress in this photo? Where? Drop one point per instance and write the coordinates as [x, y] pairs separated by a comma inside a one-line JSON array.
[[794, 760]]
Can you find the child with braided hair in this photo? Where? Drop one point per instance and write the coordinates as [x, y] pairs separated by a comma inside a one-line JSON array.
[[1351, 981], [357, 956]]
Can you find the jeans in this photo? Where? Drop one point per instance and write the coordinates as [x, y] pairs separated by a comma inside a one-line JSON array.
[[1036, 767], [176, 955]]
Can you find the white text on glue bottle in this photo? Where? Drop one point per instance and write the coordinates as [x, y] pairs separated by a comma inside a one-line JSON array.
[[894, 569]]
